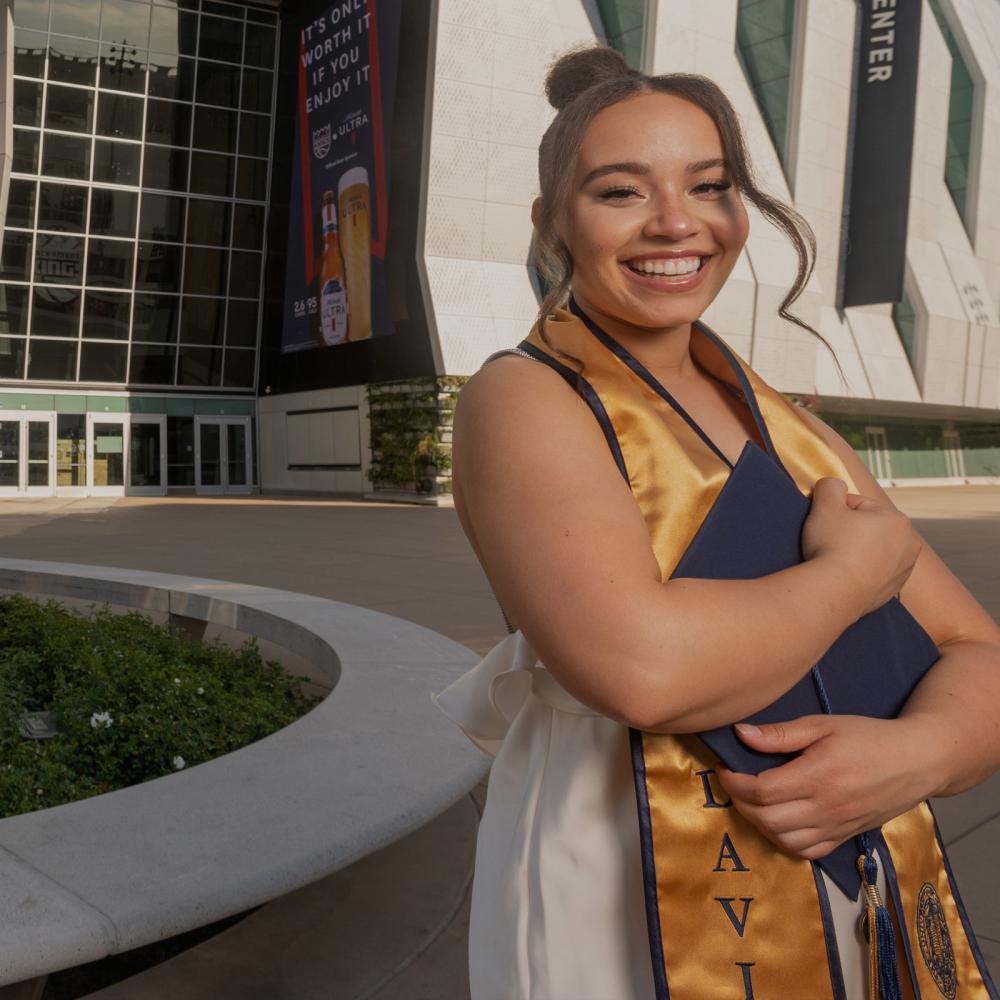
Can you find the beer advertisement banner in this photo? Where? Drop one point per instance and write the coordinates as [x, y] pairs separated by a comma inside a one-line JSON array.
[[335, 278]]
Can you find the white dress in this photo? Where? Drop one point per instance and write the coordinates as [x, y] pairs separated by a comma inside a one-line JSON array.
[[558, 909]]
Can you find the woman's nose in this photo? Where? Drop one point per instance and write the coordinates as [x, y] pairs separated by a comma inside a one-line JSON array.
[[670, 217]]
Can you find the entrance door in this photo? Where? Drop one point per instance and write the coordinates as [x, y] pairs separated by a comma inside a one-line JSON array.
[[107, 436], [26, 454], [879, 462], [222, 455], [147, 454], [953, 457]]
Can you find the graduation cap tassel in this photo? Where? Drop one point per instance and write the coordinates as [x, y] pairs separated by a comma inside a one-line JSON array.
[[883, 973]]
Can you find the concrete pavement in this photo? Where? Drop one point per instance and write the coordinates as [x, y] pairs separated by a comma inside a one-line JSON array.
[[393, 926]]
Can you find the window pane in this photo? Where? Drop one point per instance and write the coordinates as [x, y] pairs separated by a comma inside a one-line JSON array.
[[120, 116], [258, 85], [66, 156], [205, 272], [200, 366], [248, 226], [220, 39], [106, 315], [214, 128], [244, 275], [109, 262], [211, 173], [159, 267], [165, 168], [59, 260], [62, 207], [21, 204], [13, 309], [125, 22], [15, 257], [259, 48], [262, 16], [180, 451], [27, 103], [168, 123], [76, 19], [25, 159], [156, 318], [171, 76], [112, 213], [71, 444], [55, 312], [52, 360], [69, 109], [208, 222], [162, 218], [240, 368], [201, 321], [13, 351], [251, 180], [123, 69], [103, 362], [255, 134], [173, 31], [116, 162], [72, 60], [29, 53], [218, 84], [32, 14], [241, 324], [153, 364]]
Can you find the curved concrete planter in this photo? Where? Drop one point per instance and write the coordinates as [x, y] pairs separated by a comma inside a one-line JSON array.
[[372, 762]]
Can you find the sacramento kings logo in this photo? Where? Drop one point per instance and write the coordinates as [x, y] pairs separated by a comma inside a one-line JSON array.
[[935, 941], [322, 140]]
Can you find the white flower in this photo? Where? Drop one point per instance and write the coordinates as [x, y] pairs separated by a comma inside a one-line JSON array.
[[179, 763], [101, 719], [177, 680], [201, 690]]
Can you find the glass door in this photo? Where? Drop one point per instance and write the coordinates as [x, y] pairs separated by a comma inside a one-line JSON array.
[[222, 455], [26, 454], [106, 455], [10, 456], [147, 455]]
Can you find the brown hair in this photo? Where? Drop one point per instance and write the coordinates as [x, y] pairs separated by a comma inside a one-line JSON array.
[[583, 82]]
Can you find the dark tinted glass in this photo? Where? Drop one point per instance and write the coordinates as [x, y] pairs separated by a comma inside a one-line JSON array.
[[119, 116], [205, 272], [29, 53], [241, 324], [12, 354], [32, 14], [62, 206], [173, 31], [27, 103], [255, 134], [168, 122], [112, 213], [244, 274], [116, 162], [156, 318], [106, 315], [214, 128], [218, 84], [248, 226], [166, 168], [261, 16], [52, 360], [69, 109], [259, 47], [109, 263], [208, 222], [211, 173], [153, 364], [171, 76], [103, 362], [25, 158], [220, 39], [13, 309], [122, 68], [125, 22], [15, 256], [66, 156], [257, 88], [55, 312], [72, 60], [21, 204], [240, 368], [200, 366], [251, 180], [201, 320], [58, 260], [161, 217], [159, 267]]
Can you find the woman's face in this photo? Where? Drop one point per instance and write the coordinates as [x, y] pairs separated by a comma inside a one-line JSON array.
[[653, 223]]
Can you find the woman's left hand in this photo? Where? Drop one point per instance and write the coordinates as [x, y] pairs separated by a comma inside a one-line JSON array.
[[854, 774]]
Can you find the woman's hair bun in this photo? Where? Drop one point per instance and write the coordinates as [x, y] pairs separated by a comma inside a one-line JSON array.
[[580, 69]]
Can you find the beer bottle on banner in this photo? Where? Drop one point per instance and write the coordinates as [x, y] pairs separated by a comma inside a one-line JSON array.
[[332, 295]]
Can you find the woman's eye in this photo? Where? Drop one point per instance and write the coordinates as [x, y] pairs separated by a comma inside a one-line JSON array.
[[714, 186], [619, 192]]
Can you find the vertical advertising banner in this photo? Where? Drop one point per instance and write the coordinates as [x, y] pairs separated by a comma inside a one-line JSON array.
[[873, 253], [335, 278]]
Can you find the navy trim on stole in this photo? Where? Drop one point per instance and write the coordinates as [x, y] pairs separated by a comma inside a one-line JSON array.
[[892, 884], [984, 971], [832, 951]]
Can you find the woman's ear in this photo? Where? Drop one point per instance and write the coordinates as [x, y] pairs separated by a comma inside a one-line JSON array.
[[536, 211]]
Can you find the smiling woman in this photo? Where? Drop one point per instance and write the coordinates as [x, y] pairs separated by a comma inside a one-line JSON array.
[[618, 857]]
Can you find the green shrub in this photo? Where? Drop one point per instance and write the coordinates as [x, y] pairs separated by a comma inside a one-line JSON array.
[[132, 700]]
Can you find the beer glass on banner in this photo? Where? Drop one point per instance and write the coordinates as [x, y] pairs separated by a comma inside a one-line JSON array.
[[353, 200], [332, 298]]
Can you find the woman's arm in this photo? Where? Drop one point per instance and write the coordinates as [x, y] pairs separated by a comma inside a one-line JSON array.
[[568, 554]]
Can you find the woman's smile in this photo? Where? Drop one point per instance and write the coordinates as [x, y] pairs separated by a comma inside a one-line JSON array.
[[670, 274]]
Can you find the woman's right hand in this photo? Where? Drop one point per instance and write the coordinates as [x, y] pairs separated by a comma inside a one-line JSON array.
[[866, 540]]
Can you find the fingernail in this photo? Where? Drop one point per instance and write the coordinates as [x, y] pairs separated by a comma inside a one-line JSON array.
[[747, 729]]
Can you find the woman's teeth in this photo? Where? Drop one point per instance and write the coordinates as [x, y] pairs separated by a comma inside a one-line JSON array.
[[674, 266]]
